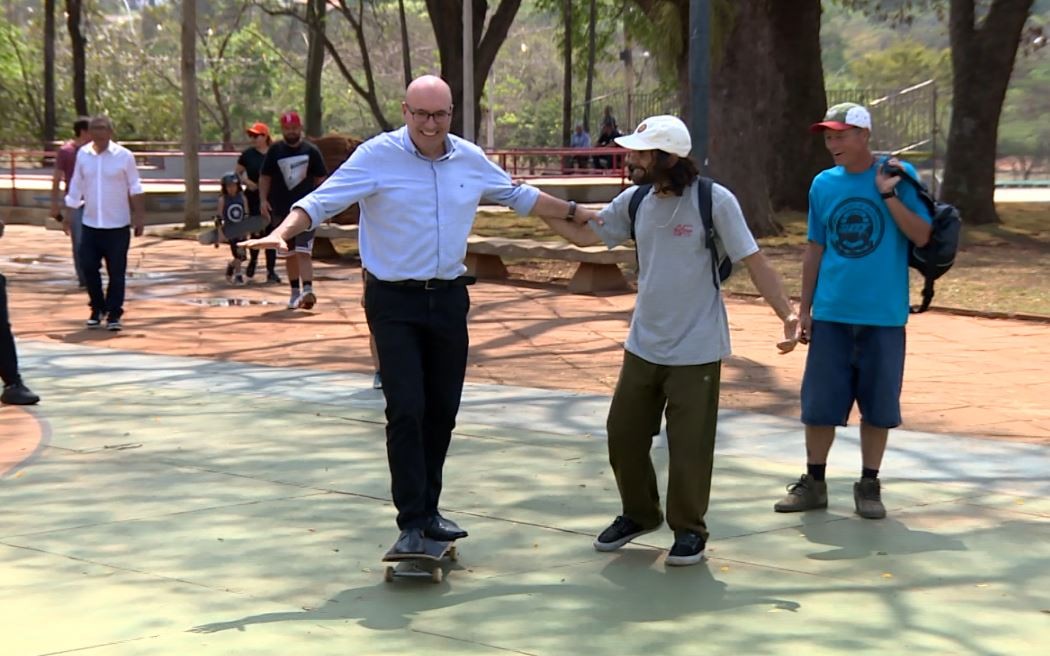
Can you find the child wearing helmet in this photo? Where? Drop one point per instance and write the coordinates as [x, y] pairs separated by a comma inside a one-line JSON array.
[[232, 211]]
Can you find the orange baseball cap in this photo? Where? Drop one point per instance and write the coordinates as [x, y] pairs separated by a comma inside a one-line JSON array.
[[258, 128]]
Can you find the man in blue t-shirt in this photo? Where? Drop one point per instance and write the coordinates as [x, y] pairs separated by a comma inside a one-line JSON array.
[[854, 304]]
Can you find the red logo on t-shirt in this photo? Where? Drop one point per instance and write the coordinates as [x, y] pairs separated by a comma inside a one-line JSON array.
[[683, 230]]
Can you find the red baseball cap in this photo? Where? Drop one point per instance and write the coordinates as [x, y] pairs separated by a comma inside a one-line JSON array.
[[289, 119], [258, 128]]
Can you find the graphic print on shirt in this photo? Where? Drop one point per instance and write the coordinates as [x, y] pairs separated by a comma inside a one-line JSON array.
[[234, 211], [856, 228], [293, 169]]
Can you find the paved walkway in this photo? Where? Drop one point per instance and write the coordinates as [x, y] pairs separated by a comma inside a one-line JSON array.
[[964, 375], [209, 483]]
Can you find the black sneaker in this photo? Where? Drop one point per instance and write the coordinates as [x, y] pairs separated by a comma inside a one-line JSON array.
[[688, 549], [273, 277], [18, 394], [95, 320], [114, 325], [620, 532]]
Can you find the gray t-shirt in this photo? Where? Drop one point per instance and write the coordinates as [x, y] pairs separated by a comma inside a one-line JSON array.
[[679, 317]]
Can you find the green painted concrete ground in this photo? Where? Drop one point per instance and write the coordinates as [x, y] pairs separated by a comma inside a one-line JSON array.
[[183, 507]]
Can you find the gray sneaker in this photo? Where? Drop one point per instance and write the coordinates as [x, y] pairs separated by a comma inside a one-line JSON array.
[[867, 498], [804, 494]]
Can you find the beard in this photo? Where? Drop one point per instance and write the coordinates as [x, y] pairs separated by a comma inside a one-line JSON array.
[[640, 175], [292, 141]]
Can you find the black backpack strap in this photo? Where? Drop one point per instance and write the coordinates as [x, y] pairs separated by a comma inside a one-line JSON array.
[[640, 192], [927, 297], [703, 196], [921, 190]]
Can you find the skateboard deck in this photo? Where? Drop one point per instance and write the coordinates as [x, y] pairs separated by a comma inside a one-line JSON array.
[[426, 565], [242, 228]]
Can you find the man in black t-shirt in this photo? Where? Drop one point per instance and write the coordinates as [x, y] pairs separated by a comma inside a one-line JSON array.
[[292, 169]]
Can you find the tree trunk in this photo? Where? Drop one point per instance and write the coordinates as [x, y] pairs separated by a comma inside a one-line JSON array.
[[566, 88], [592, 25], [446, 19], [766, 89], [795, 155], [49, 73], [79, 45], [744, 92], [315, 25], [190, 120], [982, 62], [406, 53]]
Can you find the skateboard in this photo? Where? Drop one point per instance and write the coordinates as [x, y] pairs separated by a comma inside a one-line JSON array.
[[424, 565], [242, 228]]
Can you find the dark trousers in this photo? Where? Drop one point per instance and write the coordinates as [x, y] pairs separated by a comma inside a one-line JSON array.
[[689, 397], [421, 340], [8, 357], [111, 246], [271, 254]]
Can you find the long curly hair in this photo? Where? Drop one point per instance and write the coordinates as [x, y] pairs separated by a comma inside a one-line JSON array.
[[674, 177]]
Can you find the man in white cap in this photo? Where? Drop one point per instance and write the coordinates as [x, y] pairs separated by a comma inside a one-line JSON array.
[[679, 333], [854, 305]]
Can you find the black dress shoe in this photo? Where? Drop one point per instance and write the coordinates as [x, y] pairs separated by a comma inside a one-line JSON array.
[[444, 530], [18, 394], [409, 542]]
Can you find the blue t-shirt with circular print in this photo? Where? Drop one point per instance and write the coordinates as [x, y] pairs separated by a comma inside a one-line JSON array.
[[863, 275]]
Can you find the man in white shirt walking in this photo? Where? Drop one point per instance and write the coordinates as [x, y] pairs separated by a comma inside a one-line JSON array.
[[104, 179]]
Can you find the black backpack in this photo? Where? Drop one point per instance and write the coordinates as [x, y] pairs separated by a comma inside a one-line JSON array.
[[721, 265], [938, 255]]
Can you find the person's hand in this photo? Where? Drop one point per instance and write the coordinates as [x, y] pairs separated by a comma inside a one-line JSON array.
[[585, 214], [62, 221], [139, 225], [791, 323], [264, 209], [886, 183], [805, 328], [270, 241]]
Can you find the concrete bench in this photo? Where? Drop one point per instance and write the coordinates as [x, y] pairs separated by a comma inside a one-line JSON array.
[[597, 270], [326, 232]]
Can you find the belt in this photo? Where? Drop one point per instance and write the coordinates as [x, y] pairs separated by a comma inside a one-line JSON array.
[[433, 283]]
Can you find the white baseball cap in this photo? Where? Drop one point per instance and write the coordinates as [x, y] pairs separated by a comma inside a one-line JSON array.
[[844, 116], [664, 132]]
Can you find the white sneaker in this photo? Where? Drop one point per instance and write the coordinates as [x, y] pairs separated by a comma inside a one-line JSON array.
[[293, 302]]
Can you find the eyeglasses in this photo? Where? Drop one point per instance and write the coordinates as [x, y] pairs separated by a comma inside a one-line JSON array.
[[440, 116]]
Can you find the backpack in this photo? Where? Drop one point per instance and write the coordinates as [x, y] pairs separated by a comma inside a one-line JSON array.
[[938, 255], [721, 265]]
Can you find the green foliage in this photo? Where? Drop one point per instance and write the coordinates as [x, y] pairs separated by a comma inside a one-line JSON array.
[[22, 87], [901, 65], [1025, 128]]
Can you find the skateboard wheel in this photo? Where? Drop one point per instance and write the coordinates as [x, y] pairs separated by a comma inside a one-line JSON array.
[[453, 555], [388, 575], [435, 576]]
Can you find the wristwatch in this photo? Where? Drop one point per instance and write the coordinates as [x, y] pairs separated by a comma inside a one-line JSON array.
[[892, 193], [572, 211]]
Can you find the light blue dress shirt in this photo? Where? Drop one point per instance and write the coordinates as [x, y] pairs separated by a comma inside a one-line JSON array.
[[416, 213]]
